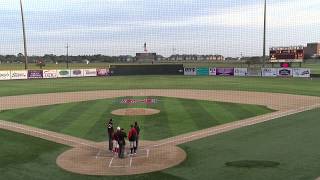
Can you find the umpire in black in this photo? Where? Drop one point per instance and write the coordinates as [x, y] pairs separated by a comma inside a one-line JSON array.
[[110, 133]]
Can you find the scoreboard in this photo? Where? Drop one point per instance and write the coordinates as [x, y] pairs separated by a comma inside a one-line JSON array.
[[287, 54]]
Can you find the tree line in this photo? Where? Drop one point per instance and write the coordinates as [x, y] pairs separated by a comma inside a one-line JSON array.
[[51, 58]]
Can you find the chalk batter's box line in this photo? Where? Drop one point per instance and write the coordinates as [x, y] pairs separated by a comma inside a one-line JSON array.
[[130, 162]]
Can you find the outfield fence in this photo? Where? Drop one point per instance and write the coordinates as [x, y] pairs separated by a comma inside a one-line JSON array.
[[52, 74], [248, 72], [188, 71]]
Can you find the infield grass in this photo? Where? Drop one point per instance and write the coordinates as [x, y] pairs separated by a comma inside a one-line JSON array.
[[177, 116], [292, 141]]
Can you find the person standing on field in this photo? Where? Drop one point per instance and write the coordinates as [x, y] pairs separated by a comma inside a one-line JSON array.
[[110, 134], [122, 142], [136, 126], [132, 136]]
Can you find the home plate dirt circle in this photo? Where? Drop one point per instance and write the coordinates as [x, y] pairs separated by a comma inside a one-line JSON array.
[[99, 161], [135, 112]]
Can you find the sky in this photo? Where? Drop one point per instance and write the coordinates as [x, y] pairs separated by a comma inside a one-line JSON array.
[[121, 27]]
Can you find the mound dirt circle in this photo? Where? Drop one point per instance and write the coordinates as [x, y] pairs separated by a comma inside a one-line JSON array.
[[99, 161], [135, 112]]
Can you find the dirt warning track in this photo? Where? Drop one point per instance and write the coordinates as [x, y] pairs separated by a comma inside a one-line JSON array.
[[91, 158]]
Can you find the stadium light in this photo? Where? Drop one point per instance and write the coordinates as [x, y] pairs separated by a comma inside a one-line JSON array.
[[264, 33], [67, 55], [24, 38]]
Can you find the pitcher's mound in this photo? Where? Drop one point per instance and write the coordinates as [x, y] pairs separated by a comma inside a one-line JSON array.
[[135, 112]]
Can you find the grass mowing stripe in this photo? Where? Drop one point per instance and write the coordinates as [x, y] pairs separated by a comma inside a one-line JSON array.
[[82, 124], [98, 132], [156, 126], [223, 112], [66, 117], [47, 114], [180, 121], [195, 110]]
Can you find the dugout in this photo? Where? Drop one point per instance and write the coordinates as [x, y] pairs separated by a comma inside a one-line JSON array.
[[155, 69]]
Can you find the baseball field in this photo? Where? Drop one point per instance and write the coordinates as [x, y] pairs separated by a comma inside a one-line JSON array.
[[55, 129]]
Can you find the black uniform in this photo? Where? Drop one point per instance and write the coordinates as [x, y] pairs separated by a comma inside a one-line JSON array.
[[122, 142], [110, 134], [136, 126]]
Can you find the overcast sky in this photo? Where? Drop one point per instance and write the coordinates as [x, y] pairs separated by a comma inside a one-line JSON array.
[[119, 27]]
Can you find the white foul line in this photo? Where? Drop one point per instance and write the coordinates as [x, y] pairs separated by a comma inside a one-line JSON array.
[[110, 163], [98, 154], [130, 162], [148, 153]]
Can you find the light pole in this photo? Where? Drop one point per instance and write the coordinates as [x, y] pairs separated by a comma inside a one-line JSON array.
[[264, 32], [24, 38], [67, 55]]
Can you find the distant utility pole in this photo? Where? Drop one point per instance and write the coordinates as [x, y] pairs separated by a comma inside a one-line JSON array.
[[264, 32], [24, 38], [67, 55]]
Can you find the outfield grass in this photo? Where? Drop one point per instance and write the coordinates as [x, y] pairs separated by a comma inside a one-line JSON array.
[[278, 85], [177, 116], [292, 141]]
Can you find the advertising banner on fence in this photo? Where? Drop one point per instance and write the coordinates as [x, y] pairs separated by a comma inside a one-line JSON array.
[[50, 74], [35, 74], [301, 72], [190, 71], [76, 72], [19, 74], [284, 72], [225, 71], [254, 72], [202, 71], [90, 72], [240, 71], [102, 72], [4, 75], [212, 71], [269, 72], [62, 73]]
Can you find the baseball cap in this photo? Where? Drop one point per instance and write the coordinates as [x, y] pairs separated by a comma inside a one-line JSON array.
[[118, 128]]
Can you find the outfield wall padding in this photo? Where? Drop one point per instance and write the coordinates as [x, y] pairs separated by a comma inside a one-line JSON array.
[[162, 69]]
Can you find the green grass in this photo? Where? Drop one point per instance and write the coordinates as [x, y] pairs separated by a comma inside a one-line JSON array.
[[277, 85], [292, 141], [177, 116]]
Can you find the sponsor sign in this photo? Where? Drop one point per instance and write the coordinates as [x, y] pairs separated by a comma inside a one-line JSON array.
[[269, 72], [301, 72], [212, 71], [4, 75], [254, 72], [225, 71], [49, 74], [35, 74], [202, 71], [76, 72], [19, 74], [102, 72], [90, 72], [240, 71], [284, 72], [62, 73], [190, 71]]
